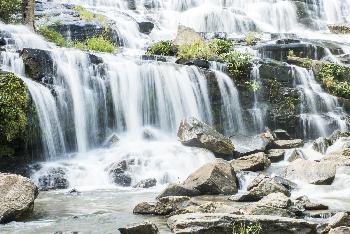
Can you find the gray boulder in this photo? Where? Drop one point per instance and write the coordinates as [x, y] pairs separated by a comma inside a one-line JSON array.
[[147, 183], [296, 154], [178, 190], [340, 230], [288, 144], [195, 133], [305, 202], [320, 173], [254, 162], [17, 195], [281, 134], [321, 144], [340, 158], [140, 228], [276, 155], [53, 178], [224, 223], [119, 173]]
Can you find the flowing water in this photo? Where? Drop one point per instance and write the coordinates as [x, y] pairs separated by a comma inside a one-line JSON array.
[[129, 97]]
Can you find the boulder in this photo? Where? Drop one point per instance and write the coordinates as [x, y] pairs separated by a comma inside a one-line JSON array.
[[194, 62], [281, 134], [339, 219], [119, 173], [147, 183], [340, 158], [224, 223], [321, 144], [340, 230], [111, 141], [296, 154], [305, 202], [339, 28], [146, 27], [17, 195], [217, 177], [195, 133], [336, 135], [53, 178], [276, 155], [140, 228], [187, 36], [288, 144], [178, 190], [254, 162], [319, 173]]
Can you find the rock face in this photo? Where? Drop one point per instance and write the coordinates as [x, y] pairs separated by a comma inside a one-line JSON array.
[[340, 230], [340, 158], [186, 36], [178, 190], [339, 28], [288, 144], [254, 162], [119, 174], [319, 173], [54, 178], [195, 133], [147, 183], [276, 155], [225, 224], [140, 228], [213, 178], [305, 202], [296, 154], [17, 195]]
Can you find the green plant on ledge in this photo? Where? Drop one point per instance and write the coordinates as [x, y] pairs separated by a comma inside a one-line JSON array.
[[199, 50], [164, 48], [221, 46], [88, 15], [246, 229], [238, 64], [52, 36]]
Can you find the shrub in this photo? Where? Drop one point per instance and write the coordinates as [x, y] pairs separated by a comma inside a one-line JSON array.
[[247, 229], [9, 9], [238, 64], [220, 46], [164, 48], [52, 36], [199, 49], [99, 44], [251, 38], [88, 15], [13, 105]]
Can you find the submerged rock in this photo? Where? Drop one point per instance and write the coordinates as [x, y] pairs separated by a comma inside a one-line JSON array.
[[319, 173], [224, 223], [111, 141], [119, 174], [146, 27], [195, 133], [54, 178], [254, 162], [281, 134], [17, 195], [321, 145], [140, 228], [147, 183], [305, 202]]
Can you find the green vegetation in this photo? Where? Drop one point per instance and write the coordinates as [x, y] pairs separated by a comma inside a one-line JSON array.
[[238, 64], [301, 62], [220, 46], [88, 15], [335, 79], [13, 105], [164, 48], [253, 85], [251, 38], [247, 229], [9, 9], [199, 50], [98, 43]]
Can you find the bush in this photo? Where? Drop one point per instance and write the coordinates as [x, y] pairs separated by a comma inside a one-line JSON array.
[[9, 9], [251, 38], [52, 36], [164, 48], [13, 105], [238, 64], [220, 46], [199, 50], [99, 44], [88, 15]]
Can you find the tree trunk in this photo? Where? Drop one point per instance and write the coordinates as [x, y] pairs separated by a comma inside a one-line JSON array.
[[28, 12]]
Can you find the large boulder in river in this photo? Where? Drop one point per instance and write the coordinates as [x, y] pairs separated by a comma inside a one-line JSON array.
[[276, 155], [53, 178], [178, 190], [287, 144], [320, 173], [195, 133], [139, 228], [17, 195], [213, 178], [224, 223], [187, 36], [147, 183], [119, 174], [340, 157], [254, 162]]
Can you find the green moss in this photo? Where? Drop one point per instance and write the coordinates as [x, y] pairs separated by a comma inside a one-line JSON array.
[[88, 15], [238, 64], [53, 36], [220, 46], [99, 44], [164, 48], [13, 105], [9, 9], [251, 38]]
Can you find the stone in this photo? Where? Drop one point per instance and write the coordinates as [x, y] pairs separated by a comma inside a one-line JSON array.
[[339, 219], [119, 173], [195, 133], [254, 162], [281, 134], [321, 145], [288, 144], [194, 62], [276, 155], [296, 154], [187, 36], [336, 135], [147, 183], [339, 28], [305, 202], [53, 178], [178, 190], [340, 158], [340, 230], [139, 228], [145, 27], [217, 177], [319, 173], [17, 195], [111, 141], [224, 223]]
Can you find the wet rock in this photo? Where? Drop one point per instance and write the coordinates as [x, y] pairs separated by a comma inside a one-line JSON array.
[[146, 27], [305, 202], [187, 36], [113, 140], [164, 206], [140, 228], [336, 135], [17, 195], [254, 162], [54, 178], [319, 173], [147, 183], [321, 145], [339, 158], [119, 173], [224, 223], [194, 62], [296, 154], [195, 133], [339, 219], [276, 204], [148, 134], [288, 144], [248, 145], [281, 134], [340, 230], [286, 183], [339, 28], [213, 178], [73, 192], [178, 190], [2, 41], [276, 155]]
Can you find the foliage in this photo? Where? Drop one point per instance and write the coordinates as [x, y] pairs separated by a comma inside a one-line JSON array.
[[164, 48], [238, 64], [251, 38], [247, 229], [100, 44], [52, 36], [220, 46], [301, 62], [253, 85], [13, 105], [199, 50], [335, 79], [9, 8], [88, 15]]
